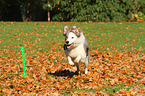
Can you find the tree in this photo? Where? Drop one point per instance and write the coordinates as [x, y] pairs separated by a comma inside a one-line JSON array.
[[93, 10], [47, 5]]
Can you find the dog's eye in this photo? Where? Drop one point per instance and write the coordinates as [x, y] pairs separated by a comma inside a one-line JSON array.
[[72, 37]]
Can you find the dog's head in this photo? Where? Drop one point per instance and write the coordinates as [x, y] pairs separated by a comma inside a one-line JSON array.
[[71, 36]]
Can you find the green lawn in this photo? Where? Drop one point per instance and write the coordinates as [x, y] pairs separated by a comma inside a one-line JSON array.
[[116, 66], [122, 36]]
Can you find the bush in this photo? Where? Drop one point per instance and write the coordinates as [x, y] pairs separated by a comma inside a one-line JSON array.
[[95, 10]]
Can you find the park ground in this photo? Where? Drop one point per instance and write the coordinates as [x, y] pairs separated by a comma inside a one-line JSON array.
[[117, 59]]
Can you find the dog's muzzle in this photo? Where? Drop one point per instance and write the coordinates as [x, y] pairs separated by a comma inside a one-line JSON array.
[[69, 45]]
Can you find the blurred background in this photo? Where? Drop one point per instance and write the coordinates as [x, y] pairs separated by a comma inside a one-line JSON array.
[[73, 10]]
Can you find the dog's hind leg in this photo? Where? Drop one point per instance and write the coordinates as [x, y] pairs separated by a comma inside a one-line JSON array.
[[77, 60], [86, 64]]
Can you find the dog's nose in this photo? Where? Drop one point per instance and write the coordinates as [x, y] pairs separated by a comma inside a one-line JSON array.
[[67, 42]]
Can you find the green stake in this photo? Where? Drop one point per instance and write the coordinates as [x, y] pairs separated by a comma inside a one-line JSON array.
[[23, 57]]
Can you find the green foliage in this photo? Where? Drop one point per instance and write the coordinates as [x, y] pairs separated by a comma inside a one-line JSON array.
[[140, 16], [94, 10]]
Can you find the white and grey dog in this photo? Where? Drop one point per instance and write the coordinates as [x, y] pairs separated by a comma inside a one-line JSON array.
[[76, 47]]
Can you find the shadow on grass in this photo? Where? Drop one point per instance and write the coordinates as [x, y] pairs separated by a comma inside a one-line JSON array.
[[65, 73]]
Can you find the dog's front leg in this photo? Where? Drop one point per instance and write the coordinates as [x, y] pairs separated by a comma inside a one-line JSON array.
[[70, 61]]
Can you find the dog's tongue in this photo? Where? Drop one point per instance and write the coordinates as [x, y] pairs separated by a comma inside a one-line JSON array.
[[70, 46]]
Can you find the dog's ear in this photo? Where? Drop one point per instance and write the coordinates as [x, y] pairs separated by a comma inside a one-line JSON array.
[[66, 29], [76, 31]]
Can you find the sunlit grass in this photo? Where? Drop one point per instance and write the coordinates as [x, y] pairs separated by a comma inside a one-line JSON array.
[[44, 35]]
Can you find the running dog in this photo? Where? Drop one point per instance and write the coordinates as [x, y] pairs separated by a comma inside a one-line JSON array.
[[76, 47]]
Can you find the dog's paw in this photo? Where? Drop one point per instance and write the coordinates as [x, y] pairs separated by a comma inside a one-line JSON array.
[[71, 63], [86, 71]]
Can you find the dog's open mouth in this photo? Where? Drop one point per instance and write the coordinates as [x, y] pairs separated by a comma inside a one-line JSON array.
[[69, 45]]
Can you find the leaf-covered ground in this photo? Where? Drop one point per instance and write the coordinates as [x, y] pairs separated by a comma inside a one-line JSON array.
[[117, 60]]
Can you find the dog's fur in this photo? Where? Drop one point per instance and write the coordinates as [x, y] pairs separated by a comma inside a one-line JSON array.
[[76, 47]]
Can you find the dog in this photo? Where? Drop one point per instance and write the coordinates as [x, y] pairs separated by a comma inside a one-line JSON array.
[[76, 47]]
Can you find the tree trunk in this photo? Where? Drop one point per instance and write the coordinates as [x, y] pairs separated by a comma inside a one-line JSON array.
[[48, 15]]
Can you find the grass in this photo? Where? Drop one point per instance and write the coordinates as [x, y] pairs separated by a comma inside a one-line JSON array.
[[124, 37], [47, 37], [111, 89]]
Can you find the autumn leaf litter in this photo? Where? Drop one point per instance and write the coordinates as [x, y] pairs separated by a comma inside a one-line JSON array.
[[48, 73]]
